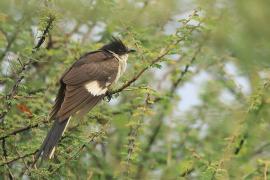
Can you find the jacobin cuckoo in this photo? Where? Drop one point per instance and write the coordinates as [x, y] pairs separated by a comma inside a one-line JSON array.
[[82, 86]]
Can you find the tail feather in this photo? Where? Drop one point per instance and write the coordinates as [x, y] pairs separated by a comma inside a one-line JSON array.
[[48, 146]]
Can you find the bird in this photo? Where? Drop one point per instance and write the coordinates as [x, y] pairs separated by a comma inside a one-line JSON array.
[[82, 87]]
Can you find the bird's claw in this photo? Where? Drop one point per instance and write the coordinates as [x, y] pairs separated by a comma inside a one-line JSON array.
[[108, 96]]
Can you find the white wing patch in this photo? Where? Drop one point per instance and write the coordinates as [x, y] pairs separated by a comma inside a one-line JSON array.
[[94, 88]]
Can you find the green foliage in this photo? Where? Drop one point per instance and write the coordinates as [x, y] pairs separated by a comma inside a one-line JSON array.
[[143, 132]]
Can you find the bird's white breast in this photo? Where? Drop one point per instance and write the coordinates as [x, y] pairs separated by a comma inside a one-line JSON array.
[[122, 60]]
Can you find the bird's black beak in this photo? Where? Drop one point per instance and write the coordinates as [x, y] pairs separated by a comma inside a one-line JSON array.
[[131, 50]]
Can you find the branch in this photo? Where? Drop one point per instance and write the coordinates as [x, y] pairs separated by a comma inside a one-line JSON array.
[[32, 153], [50, 20], [241, 143], [26, 128], [187, 172], [10, 175], [183, 73], [22, 129], [18, 158], [158, 59], [162, 54]]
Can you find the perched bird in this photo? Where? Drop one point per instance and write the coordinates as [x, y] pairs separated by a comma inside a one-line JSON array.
[[82, 86]]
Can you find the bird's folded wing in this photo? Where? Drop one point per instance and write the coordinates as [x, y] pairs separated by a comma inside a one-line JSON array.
[[80, 100], [86, 84], [96, 66]]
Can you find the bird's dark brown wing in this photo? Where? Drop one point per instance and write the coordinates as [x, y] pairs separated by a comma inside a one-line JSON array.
[[86, 83]]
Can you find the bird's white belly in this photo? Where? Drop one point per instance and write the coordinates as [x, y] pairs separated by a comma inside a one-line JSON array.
[[122, 60]]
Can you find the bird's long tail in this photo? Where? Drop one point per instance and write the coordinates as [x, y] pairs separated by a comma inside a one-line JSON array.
[[48, 146]]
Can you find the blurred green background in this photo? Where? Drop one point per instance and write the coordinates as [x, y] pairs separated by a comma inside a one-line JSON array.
[[199, 111]]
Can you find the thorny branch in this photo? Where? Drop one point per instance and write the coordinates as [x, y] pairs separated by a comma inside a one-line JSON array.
[[183, 73], [10, 175], [41, 40], [136, 77], [18, 158], [22, 129], [40, 123], [159, 58]]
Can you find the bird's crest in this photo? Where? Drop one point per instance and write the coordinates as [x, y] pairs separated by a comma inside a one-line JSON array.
[[116, 46]]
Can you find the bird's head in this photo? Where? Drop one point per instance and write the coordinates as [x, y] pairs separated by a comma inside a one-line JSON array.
[[118, 47]]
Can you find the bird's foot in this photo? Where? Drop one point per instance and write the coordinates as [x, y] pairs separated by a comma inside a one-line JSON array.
[[108, 96]]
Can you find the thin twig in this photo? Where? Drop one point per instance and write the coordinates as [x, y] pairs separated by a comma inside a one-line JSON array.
[[18, 158], [10, 175], [23, 160], [41, 40], [40, 123], [185, 71], [22, 129]]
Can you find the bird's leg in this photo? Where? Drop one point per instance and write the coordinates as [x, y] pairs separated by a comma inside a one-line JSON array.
[[108, 96]]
